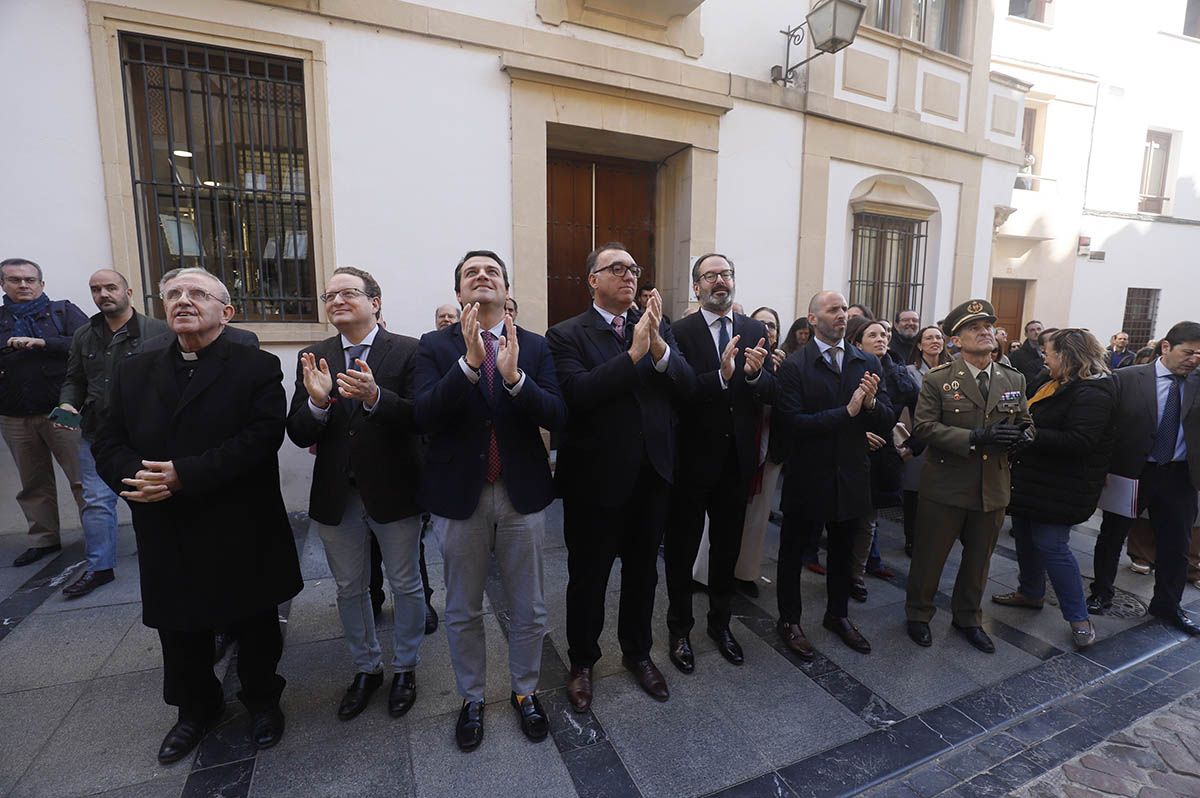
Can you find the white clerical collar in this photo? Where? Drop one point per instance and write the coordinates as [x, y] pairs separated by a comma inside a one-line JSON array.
[[189, 355]]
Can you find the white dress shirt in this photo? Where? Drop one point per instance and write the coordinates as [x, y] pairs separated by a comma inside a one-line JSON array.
[[474, 376], [321, 413], [1162, 387]]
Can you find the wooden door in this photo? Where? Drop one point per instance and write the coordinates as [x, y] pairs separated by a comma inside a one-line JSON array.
[[1008, 300], [591, 200]]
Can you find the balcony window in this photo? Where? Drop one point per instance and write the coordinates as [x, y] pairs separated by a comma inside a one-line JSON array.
[[1191, 19], [1028, 9], [883, 14], [939, 24], [1152, 196]]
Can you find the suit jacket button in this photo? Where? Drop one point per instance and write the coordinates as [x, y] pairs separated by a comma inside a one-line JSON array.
[[482, 456], [956, 410], [351, 433], [985, 457]]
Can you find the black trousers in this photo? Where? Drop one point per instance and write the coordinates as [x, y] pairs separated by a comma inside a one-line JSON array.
[[793, 535], [1166, 491], [596, 535], [188, 679], [377, 568], [724, 502]]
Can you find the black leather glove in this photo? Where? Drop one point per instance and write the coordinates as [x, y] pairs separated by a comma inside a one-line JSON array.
[[1023, 441], [1003, 434]]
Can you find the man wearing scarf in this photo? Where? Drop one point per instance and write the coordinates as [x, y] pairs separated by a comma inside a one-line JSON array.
[[35, 337]]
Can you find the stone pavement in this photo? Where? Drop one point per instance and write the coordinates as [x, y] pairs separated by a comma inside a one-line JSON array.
[[81, 710], [1157, 758]]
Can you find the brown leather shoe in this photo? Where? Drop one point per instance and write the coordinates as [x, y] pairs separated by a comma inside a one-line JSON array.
[[796, 642], [848, 632], [579, 688], [648, 676]]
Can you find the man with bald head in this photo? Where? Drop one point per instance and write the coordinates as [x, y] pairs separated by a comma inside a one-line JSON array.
[[115, 333], [445, 315]]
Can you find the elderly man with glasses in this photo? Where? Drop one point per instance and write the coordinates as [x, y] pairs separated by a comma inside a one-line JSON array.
[[191, 442]]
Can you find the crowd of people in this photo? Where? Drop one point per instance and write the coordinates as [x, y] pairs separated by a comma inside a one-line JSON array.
[[668, 434]]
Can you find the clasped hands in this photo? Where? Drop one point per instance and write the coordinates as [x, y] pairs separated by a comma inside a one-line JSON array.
[[647, 333], [1004, 434], [863, 397], [157, 481], [508, 348], [318, 381]]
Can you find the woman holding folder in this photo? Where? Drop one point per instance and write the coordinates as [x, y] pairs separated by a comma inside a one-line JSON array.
[[1056, 481]]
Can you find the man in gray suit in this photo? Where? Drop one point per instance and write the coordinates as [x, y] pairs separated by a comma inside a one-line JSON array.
[[1157, 422]]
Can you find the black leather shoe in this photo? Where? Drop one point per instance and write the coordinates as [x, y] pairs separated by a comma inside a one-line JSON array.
[[727, 645], [87, 583], [977, 637], [747, 587], [649, 677], [221, 644], [579, 688], [681, 654], [918, 631], [468, 731], [858, 592], [403, 693], [358, 694], [183, 738], [1180, 620], [1096, 605], [534, 724], [431, 619], [32, 555], [266, 727], [848, 633]]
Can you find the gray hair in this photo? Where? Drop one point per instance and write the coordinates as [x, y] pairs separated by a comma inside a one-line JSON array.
[[22, 262], [186, 270]]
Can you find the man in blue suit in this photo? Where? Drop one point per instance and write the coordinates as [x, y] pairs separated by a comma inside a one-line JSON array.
[[485, 388]]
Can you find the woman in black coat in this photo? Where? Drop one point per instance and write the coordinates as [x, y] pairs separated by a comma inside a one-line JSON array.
[[1056, 481]]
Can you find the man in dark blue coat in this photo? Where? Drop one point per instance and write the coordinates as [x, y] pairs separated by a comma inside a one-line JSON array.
[[828, 398], [485, 389]]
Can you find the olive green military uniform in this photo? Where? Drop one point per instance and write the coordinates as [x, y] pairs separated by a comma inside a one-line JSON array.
[[964, 490]]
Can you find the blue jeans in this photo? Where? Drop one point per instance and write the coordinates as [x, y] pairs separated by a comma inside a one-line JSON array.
[[1042, 550], [348, 551], [99, 513]]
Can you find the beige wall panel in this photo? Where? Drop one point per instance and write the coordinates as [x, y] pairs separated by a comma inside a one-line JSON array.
[[864, 73], [940, 96], [1004, 115]]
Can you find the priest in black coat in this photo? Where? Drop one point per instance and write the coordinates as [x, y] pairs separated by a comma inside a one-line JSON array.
[[191, 443]]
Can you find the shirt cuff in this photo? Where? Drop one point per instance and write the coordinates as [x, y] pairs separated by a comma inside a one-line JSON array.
[[471, 374], [520, 383], [319, 413], [721, 379], [367, 408], [661, 365], [754, 380]]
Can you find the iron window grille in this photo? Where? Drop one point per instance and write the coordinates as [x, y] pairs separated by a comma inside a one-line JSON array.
[[887, 269], [1141, 314], [219, 161]]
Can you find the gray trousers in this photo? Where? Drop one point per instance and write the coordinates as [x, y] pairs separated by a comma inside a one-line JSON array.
[[33, 441], [495, 528]]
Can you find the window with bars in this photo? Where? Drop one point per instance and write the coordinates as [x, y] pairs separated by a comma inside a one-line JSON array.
[[219, 155], [887, 269], [1141, 314]]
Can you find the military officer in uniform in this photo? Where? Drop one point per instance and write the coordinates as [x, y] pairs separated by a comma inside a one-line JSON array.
[[971, 413]]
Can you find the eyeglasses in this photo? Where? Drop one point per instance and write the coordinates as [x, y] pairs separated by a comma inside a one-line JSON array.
[[621, 269], [193, 294], [711, 277], [348, 294]]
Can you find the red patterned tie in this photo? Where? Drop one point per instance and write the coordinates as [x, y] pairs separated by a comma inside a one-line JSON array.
[[489, 376], [618, 325]]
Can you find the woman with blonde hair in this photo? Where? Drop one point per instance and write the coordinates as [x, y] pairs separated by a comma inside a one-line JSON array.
[[1057, 479]]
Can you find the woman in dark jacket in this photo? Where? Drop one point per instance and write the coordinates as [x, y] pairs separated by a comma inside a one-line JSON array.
[[1056, 481], [873, 337]]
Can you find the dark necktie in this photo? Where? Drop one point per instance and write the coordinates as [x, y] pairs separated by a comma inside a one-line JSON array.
[[489, 377], [983, 380], [1168, 425], [834, 351], [353, 353], [723, 337]]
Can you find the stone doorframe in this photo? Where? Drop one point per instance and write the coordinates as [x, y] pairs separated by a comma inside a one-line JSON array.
[[616, 114]]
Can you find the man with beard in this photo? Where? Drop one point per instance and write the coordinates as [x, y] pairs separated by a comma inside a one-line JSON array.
[[621, 375], [190, 440], [1028, 358], [35, 338], [718, 454], [112, 335], [828, 398], [904, 336]]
